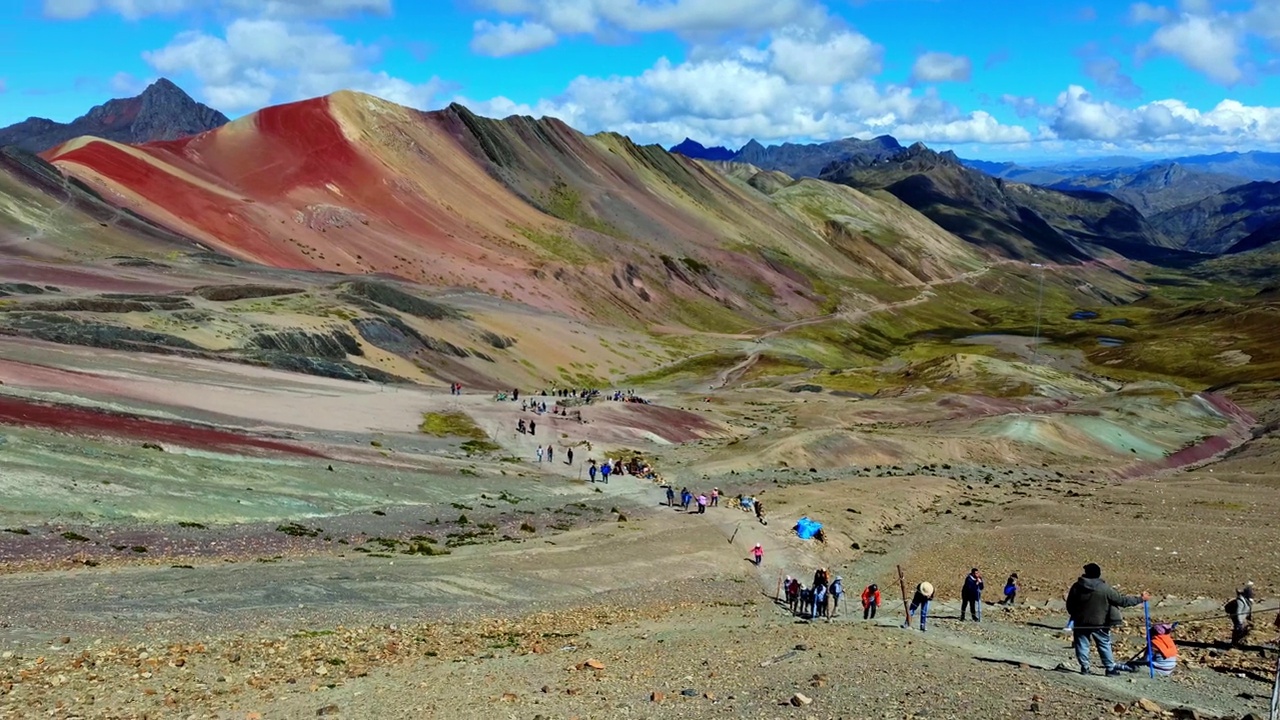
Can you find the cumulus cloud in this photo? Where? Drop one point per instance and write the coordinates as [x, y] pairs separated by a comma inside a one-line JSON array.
[[757, 93], [810, 58], [936, 67], [1076, 115], [1216, 43], [136, 9], [502, 39], [257, 62]]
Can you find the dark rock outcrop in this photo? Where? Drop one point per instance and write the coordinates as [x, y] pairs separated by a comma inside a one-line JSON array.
[[696, 150], [334, 345], [162, 112]]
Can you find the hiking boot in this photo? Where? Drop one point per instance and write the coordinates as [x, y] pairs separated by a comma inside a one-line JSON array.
[[1113, 672]]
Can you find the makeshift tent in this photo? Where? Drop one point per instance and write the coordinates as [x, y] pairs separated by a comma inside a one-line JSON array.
[[806, 528]]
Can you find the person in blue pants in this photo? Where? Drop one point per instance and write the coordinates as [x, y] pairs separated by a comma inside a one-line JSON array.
[[604, 472], [920, 601]]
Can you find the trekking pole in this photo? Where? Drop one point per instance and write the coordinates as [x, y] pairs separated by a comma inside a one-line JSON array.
[[1275, 694], [902, 583], [777, 595], [1146, 611]]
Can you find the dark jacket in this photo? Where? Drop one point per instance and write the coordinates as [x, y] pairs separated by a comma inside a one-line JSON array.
[[972, 587], [1093, 603]]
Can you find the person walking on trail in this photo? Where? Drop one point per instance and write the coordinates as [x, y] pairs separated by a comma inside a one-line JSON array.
[[759, 508], [1010, 590], [870, 601], [792, 588], [591, 470], [568, 456], [757, 554], [837, 592], [920, 601], [971, 595], [540, 452], [671, 496], [715, 497], [550, 451], [605, 470], [533, 426], [1094, 607], [1240, 610], [820, 596], [702, 504], [686, 497]]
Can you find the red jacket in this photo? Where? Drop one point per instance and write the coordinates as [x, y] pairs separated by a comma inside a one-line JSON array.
[[869, 598]]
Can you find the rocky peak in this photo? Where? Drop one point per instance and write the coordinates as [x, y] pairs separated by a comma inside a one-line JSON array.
[[161, 112]]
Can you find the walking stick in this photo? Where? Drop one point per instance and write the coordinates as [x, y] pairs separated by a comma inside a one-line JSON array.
[[902, 583], [1151, 661]]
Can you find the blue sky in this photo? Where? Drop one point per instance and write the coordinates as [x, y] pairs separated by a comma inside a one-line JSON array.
[[992, 78]]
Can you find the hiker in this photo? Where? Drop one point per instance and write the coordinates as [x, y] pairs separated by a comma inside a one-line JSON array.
[[1164, 652], [671, 496], [837, 592], [569, 454], [1240, 610], [715, 497], [1095, 609], [591, 470], [820, 595], [759, 508], [806, 601], [971, 595], [757, 554], [604, 472], [702, 504], [515, 394], [792, 589], [540, 452], [1010, 590], [550, 451], [520, 426], [921, 600], [820, 577], [686, 497], [870, 601], [533, 425]]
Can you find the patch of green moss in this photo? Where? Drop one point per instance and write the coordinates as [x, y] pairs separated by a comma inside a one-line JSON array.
[[451, 424]]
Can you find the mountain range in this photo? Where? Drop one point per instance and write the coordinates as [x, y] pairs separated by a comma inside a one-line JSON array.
[[350, 183]]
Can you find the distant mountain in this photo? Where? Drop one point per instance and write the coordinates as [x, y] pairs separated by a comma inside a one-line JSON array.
[[1224, 222], [162, 112], [796, 160], [1259, 166], [1013, 219], [697, 151], [1154, 188]]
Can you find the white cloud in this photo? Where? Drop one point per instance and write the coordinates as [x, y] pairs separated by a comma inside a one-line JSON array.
[[1210, 45], [123, 84], [136, 9], [688, 17], [1147, 13], [935, 67], [1078, 116], [261, 61], [502, 39], [732, 97], [810, 58]]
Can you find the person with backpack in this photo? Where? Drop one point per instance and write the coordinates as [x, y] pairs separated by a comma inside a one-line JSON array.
[[971, 595], [1094, 607], [920, 601], [1164, 652], [1240, 610], [1010, 590], [870, 601], [837, 592], [820, 597], [792, 586]]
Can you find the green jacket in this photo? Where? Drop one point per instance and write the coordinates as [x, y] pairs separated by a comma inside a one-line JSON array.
[[1092, 603]]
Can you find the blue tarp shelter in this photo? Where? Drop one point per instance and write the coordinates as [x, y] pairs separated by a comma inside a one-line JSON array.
[[806, 528]]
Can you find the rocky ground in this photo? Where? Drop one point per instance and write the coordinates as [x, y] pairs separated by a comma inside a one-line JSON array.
[[389, 574]]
